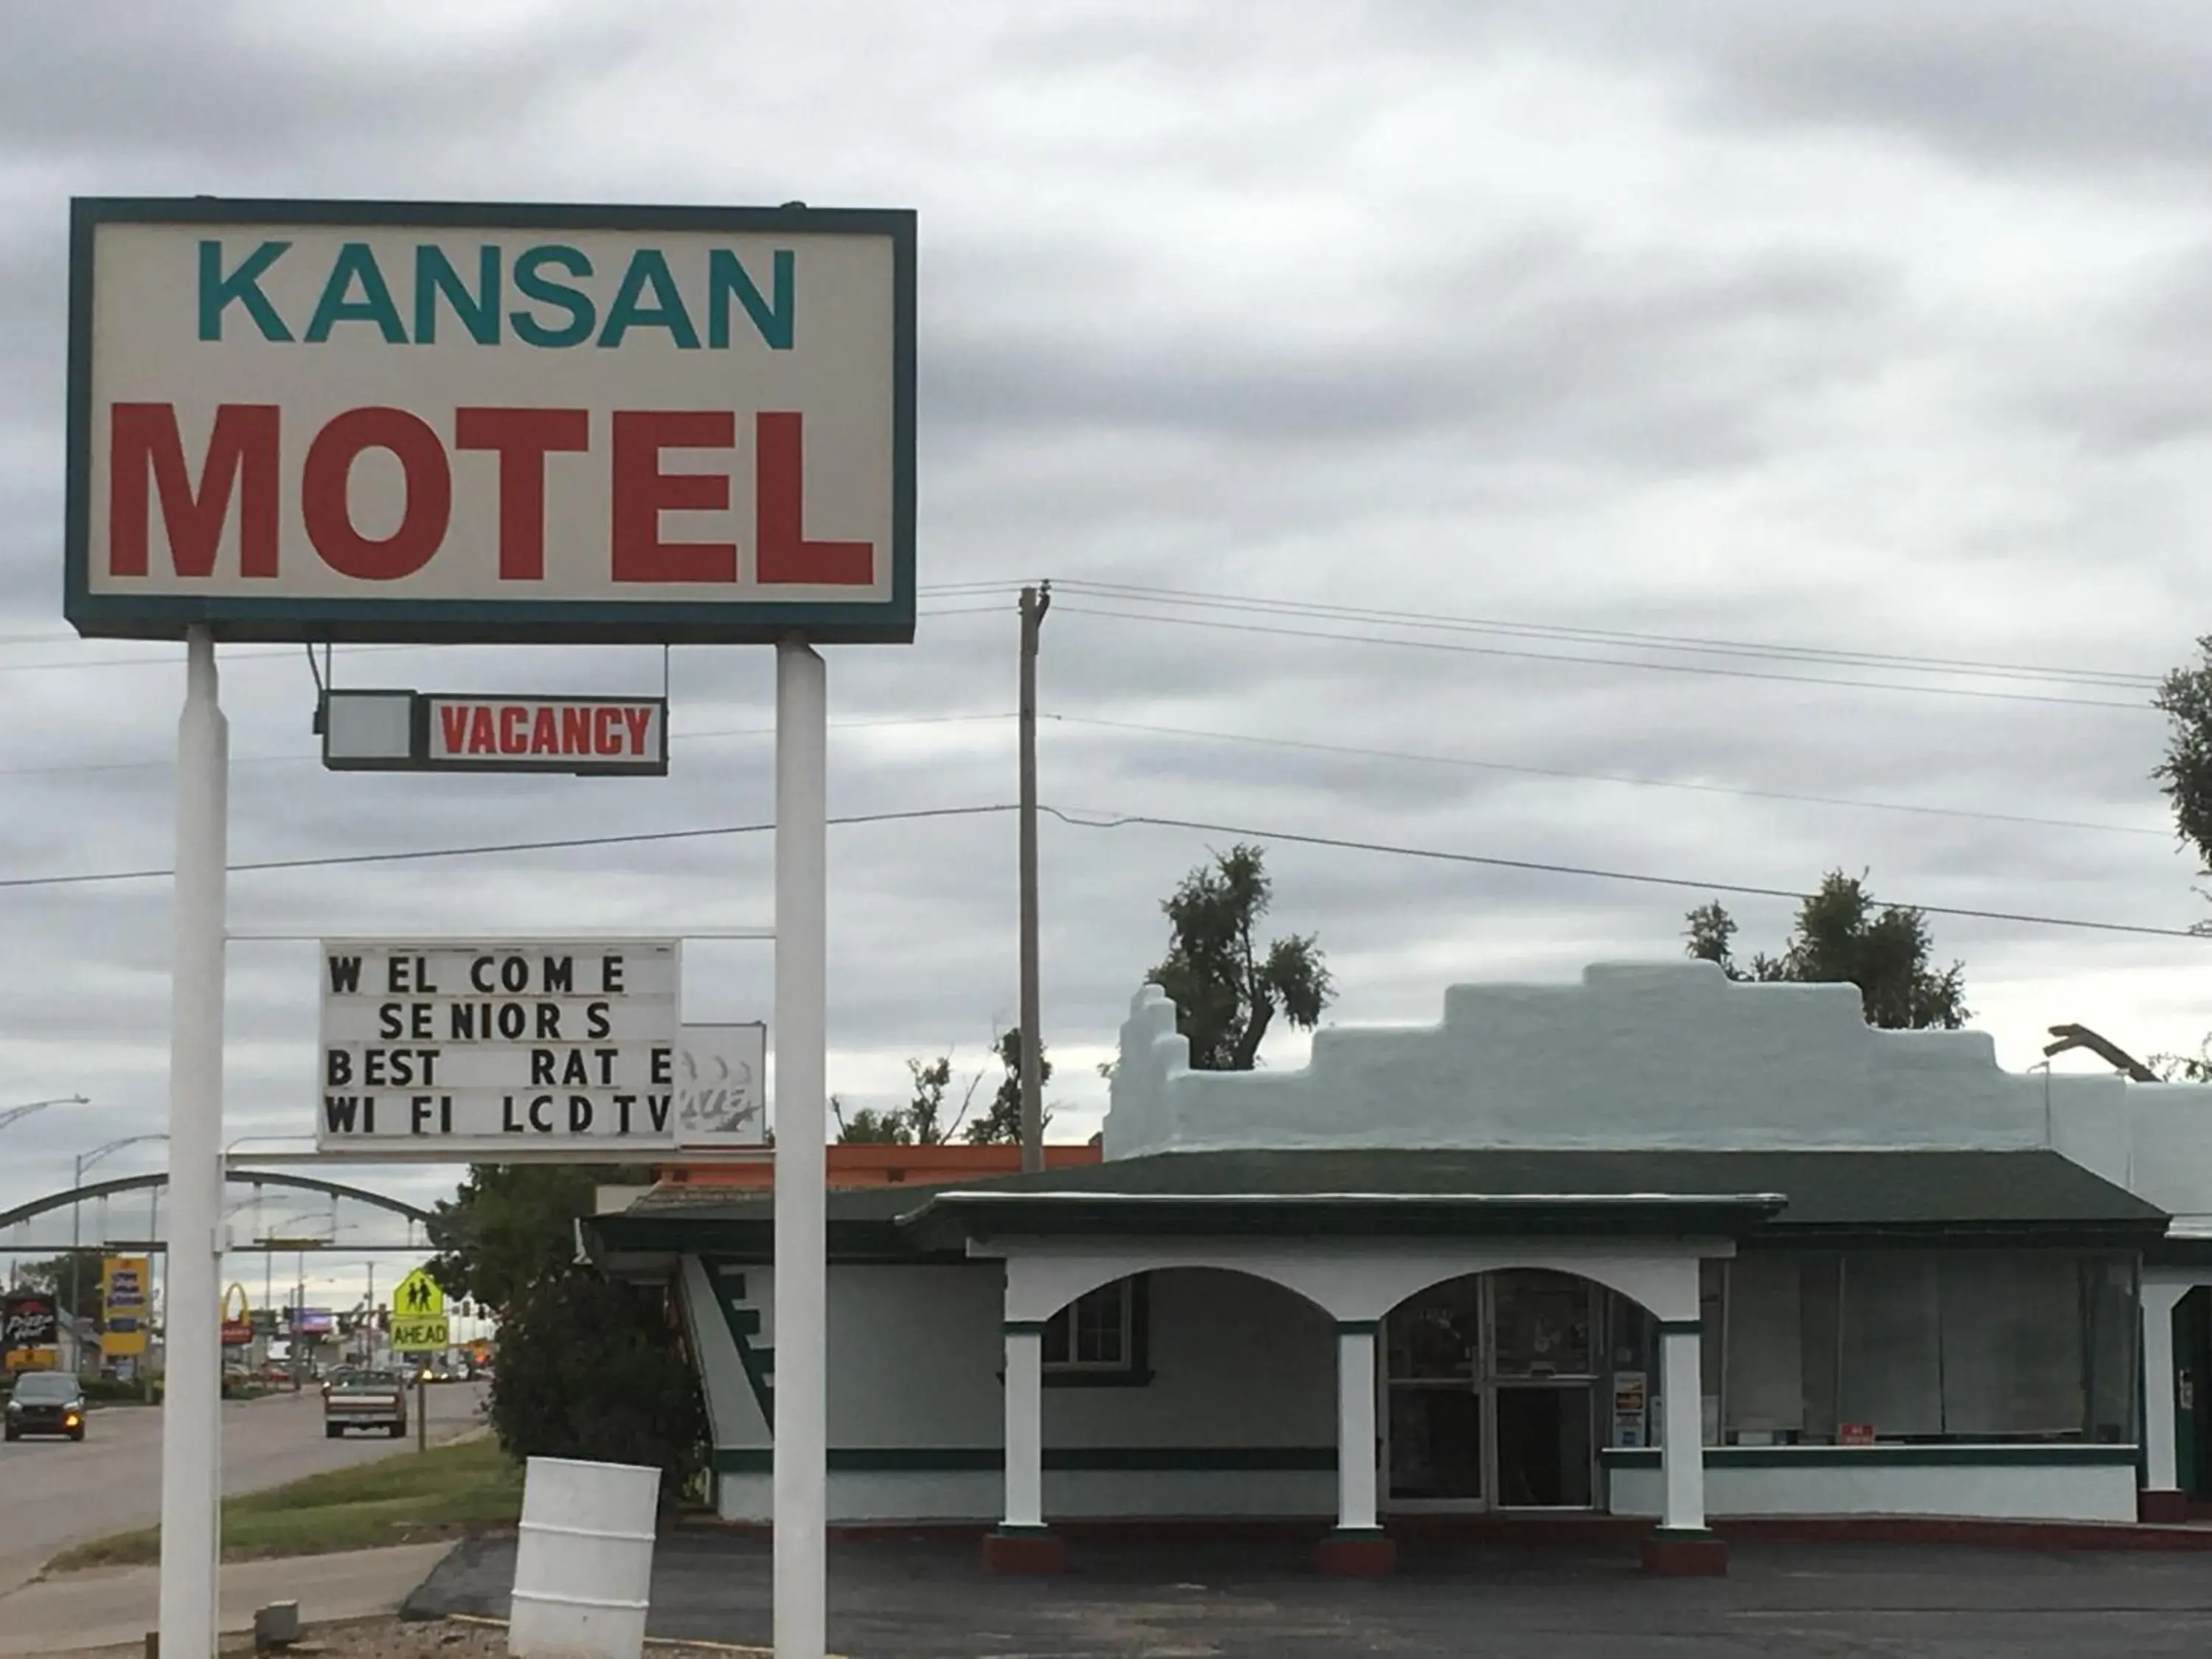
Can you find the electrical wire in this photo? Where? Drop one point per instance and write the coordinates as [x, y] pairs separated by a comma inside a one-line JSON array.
[[1266, 605], [314, 757], [1081, 820], [1081, 610], [1604, 777], [1116, 821], [248, 653], [565, 843]]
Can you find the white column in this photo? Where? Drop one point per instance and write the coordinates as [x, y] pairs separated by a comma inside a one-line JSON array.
[[2162, 1471], [801, 1429], [1355, 1427], [191, 1408], [1682, 1445], [1025, 1426]]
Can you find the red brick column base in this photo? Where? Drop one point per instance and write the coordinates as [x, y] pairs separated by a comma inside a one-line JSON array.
[[1025, 1550], [1685, 1554], [1367, 1554], [2166, 1508]]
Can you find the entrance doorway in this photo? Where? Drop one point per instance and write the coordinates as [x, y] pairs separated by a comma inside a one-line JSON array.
[[1492, 1389]]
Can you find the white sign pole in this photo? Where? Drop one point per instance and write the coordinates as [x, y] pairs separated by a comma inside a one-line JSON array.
[[800, 1429], [191, 1409]]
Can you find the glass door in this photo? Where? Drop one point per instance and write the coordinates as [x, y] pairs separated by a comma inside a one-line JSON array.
[[1491, 1384], [1433, 1359]]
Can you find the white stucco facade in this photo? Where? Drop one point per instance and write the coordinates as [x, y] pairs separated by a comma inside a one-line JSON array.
[[1263, 1390], [1659, 1055]]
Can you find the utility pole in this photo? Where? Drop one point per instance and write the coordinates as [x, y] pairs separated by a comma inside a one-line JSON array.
[[1036, 601]]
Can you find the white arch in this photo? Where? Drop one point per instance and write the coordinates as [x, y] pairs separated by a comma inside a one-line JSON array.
[[1356, 1281]]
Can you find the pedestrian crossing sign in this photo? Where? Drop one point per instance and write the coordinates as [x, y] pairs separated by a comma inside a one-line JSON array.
[[419, 1314]]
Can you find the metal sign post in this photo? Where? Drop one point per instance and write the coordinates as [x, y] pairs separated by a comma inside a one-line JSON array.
[[191, 1409], [800, 1429]]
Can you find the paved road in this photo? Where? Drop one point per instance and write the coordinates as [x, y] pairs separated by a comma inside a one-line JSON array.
[[54, 1493], [930, 1599]]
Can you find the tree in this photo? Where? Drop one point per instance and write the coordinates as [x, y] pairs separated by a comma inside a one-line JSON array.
[[920, 1123], [1227, 991], [509, 1226], [589, 1367], [1842, 937], [1001, 1126], [2185, 773], [76, 1294]]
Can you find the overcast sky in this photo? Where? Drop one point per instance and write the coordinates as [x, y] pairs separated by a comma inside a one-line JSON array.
[[1866, 328]]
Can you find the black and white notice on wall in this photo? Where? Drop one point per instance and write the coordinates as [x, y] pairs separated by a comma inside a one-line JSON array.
[[499, 1048]]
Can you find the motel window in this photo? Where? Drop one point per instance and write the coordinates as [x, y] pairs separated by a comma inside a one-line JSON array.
[[1098, 1335], [1960, 1345]]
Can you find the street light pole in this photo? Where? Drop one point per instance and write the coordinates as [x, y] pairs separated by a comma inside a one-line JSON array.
[[17, 1113]]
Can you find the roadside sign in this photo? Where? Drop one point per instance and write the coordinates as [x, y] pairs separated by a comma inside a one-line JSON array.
[[410, 421], [420, 1296], [419, 1314], [721, 1086], [420, 1335], [384, 731], [124, 1288], [488, 1046], [28, 1320]]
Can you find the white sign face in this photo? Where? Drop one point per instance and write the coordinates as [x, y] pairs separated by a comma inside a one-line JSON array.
[[432, 421], [486, 1048], [721, 1086]]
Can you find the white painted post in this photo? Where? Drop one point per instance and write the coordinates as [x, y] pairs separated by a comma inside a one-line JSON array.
[[1024, 1427], [2162, 1468], [1681, 1448], [801, 1431], [191, 1408], [1355, 1428]]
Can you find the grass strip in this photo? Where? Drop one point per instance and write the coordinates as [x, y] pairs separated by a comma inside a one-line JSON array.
[[408, 1497]]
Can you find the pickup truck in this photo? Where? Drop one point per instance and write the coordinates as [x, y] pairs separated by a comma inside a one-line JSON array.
[[365, 1400]]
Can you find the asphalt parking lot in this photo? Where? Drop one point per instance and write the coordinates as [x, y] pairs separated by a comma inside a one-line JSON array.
[[930, 1599]]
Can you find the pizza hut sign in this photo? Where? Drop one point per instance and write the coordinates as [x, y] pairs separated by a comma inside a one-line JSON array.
[[28, 1321]]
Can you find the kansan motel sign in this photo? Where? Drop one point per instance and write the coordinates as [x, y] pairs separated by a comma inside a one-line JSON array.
[[462, 423], [343, 422]]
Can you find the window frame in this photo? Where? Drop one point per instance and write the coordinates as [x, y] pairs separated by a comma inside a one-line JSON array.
[[1133, 1370]]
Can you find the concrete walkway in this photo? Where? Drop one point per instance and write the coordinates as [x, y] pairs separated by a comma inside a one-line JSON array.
[[115, 1607]]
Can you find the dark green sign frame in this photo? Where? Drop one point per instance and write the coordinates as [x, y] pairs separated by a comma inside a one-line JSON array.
[[168, 616]]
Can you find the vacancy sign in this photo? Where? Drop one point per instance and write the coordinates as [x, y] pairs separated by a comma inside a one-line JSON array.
[[499, 1048], [452, 421], [382, 731]]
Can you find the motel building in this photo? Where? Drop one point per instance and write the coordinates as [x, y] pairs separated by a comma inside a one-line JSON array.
[[1652, 1245]]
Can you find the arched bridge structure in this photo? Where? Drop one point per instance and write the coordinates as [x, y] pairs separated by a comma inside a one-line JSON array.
[[92, 1192]]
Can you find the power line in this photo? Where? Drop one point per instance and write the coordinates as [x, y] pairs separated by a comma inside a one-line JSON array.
[[563, 844], [1079, 609], [1102, 821], [1245, 832], [1268, 605], [248, 653], [311, 756], [1604, 777]]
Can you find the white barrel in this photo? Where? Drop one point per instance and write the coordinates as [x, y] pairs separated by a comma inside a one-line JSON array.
[[583, 1563]]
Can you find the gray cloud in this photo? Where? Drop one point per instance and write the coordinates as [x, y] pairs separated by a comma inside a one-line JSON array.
[[1802, 344]]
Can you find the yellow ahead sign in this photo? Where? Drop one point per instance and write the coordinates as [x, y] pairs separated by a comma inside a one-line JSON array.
[[420, 1335], [419, 1314]]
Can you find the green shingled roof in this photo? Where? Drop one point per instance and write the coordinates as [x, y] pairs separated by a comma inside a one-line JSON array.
[[1776, 1195]]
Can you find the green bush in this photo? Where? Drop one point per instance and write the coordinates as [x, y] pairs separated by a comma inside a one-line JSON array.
[[591, 1367]]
